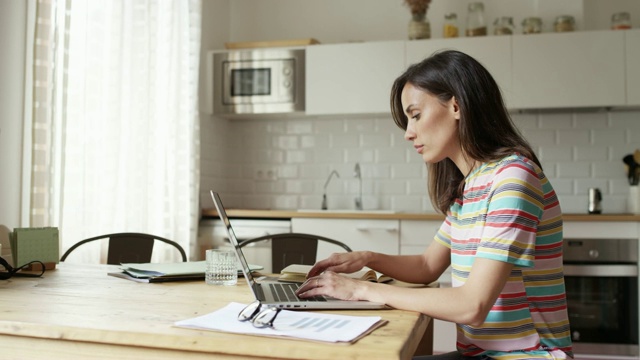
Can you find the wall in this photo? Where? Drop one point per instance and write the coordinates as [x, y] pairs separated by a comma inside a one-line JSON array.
[[13, 19], [579, 149]]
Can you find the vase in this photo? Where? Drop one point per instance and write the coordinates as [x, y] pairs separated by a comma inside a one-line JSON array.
[[419, 27]]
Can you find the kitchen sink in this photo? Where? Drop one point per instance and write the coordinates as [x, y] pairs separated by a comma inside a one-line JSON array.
[[349, 211]]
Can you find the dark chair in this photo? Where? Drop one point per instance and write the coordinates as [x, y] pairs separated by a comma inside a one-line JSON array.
[[293, 248], [128, 247]]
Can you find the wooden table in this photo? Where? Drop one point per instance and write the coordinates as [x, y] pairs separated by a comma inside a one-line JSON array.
[[78, 312]]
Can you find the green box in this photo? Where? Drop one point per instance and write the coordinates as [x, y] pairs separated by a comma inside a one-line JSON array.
[[35, 244]]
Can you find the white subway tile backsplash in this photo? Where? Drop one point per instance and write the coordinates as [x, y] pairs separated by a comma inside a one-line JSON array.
[[390, 155], [609, 136], [555, 153], [405, 171], [345, 140], [574, 169], [574, 137], [556, 121], [541, 137], [375, 140], [294, 157], [299, 127], [286, 142], [593, 120], [578, 150], [591, 153]]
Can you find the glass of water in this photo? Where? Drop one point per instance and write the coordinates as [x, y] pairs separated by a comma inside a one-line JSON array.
[[221, 267]]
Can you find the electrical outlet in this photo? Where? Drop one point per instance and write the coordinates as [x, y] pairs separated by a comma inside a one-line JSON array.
[[265, 173]]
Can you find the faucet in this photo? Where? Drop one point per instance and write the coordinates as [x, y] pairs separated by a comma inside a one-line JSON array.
[[357, 174], [324, 195]]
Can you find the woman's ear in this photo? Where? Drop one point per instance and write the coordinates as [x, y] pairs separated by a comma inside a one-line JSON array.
[[455, 108]]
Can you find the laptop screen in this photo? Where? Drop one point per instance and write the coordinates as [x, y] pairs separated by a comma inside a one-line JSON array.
[[232, 237]]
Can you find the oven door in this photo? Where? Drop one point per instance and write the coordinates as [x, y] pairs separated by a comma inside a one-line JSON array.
[[603, 308]]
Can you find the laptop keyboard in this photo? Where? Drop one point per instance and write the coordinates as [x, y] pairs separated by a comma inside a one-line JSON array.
[[286, 292]]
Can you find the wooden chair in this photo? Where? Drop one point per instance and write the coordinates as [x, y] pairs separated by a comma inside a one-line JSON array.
[[293, 248], [128, 247]]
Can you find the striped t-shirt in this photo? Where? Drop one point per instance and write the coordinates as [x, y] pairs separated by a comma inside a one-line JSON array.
[[509, 212]]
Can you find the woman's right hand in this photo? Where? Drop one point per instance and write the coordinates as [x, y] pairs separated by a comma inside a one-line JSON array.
[[341, 263]]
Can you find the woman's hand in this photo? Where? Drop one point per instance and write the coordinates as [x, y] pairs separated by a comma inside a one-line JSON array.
[[341, 263], [334, 285]]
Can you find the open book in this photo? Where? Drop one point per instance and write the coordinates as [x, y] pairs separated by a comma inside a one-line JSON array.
[[298, 273]]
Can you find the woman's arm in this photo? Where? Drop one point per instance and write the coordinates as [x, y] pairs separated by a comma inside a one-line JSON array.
[[420, 269], [467, 304]]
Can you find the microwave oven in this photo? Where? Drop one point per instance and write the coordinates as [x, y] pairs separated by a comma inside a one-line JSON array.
[[258, 81]]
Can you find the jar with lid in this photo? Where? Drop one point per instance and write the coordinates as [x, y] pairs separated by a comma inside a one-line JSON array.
[[503, 26], [532, 25], [450, 29], [621, 21], [475, 20], [564, 23]]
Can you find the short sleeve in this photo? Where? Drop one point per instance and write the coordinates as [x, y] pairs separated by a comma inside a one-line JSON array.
[[515, 207]]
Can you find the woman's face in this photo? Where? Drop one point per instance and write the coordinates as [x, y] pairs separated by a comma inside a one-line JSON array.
[[432, 126]]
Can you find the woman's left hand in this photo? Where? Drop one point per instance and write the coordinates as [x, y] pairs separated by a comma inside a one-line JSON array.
[[333, 285]]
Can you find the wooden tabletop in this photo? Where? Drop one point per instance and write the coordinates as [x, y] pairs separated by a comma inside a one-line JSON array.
[[78, 312]]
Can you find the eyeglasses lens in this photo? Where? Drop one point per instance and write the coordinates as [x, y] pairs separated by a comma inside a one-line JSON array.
[[250, 311], [266, 317]]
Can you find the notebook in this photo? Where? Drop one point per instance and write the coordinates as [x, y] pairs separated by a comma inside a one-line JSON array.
[[282, 294]]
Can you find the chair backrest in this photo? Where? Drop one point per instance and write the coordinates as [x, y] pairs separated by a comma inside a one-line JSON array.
[[293, 248], [128, 247]]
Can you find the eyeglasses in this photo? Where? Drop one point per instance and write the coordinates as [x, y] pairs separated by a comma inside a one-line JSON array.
[[11, 271], [260, 317]]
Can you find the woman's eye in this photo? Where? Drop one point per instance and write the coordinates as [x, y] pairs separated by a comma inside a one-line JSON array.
[[416, 116]]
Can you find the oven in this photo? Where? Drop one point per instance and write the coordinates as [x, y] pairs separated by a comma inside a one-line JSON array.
[[601, 278]]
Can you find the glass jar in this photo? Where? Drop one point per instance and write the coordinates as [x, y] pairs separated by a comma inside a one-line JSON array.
[[475, 20], [503, 26], [532, 25], [564, 23], [621, 21], [419, 27], [450, 29]]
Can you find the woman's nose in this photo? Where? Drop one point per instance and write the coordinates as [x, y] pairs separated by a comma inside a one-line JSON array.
[[409, 134]]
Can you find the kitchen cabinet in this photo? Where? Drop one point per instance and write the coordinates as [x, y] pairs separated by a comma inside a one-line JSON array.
[[359, 234], [632, 51], [416, 235], [493, 52], [580, 69], [353, 78]]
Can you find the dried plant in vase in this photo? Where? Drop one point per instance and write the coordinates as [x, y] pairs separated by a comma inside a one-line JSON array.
[[419, 27]]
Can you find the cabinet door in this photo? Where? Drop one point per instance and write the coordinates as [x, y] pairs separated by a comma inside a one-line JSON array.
[[374, 235], [416, 235], [569, 69], [632, 50], [352, 78], [494, 52]]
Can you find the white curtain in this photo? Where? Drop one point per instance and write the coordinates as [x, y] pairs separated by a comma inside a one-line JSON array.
[[124, 153]]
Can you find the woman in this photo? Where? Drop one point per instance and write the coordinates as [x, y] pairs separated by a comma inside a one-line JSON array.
[[502, 234]]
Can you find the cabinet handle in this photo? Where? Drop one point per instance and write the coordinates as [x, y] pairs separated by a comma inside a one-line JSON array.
[[374, 228]]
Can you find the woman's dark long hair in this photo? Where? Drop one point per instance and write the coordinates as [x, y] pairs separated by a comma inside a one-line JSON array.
[[485, 130]]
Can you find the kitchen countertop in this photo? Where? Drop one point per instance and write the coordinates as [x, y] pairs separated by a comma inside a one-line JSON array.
[[364, 214]]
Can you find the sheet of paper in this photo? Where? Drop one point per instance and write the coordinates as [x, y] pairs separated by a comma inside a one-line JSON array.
[[294, 324]]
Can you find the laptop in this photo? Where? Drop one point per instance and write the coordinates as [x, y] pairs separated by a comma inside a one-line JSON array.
[[282, 294]]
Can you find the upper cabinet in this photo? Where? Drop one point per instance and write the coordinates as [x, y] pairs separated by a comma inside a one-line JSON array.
[[632, 50], [494, 52], [352, 78], [580, 69], [536, 71]]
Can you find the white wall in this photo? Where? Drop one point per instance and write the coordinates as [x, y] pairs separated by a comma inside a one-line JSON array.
[[13, 19]]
